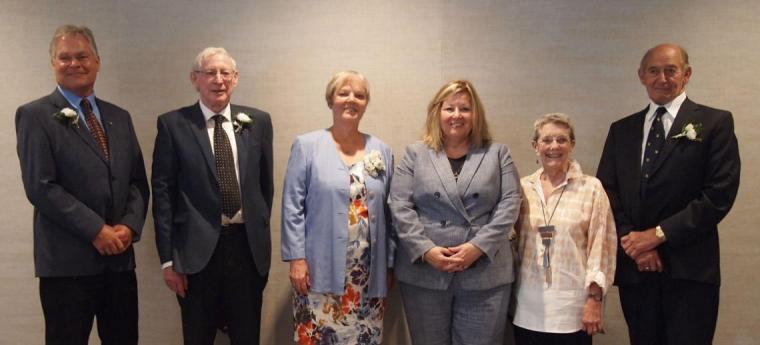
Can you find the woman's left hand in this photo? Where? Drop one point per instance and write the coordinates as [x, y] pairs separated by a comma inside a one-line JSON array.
[[468, 253], [592, 316]]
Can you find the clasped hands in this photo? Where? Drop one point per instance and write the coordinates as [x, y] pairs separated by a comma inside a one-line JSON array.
[[452, 259], [113, 240], [640, 246]]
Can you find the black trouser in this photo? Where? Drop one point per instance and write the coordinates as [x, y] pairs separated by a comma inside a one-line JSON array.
[[665, 311], [230, 288], [528, 337], [71, 303]]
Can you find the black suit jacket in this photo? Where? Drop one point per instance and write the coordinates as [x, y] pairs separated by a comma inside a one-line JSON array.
[[73, 188], [692, 188], [186, 205]]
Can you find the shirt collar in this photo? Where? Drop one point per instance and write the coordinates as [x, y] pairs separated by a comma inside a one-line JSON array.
[[75, 99], [671, 107], [208, 113], [573, 172]]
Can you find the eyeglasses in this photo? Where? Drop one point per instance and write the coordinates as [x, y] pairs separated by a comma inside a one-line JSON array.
[[226, 74], [560, 140]]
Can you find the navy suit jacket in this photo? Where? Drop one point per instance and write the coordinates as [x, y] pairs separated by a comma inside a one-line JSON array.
[[186, 205], [692, 187], [73, 188]]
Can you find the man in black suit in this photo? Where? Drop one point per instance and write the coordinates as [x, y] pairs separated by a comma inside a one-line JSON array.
[[668, 193], [213, 189], [83, 171]]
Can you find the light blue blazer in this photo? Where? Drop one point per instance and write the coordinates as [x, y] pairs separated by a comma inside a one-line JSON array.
[[315, 213]]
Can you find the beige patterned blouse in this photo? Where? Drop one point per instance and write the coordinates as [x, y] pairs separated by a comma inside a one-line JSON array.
[[582, 251]]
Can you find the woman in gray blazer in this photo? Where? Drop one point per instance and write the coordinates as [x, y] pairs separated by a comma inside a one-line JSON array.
[[454, 198], [335, 223]]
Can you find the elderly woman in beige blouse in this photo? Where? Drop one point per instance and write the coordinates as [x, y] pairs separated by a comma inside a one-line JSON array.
[[566, 244]]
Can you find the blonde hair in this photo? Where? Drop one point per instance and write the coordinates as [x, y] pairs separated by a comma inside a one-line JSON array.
[[432, 135], [341, 78], [71, 30], [554, 118]]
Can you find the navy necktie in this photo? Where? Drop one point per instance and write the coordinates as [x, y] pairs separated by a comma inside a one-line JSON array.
[[655, 141]]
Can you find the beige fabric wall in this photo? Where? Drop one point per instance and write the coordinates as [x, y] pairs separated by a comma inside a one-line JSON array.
[[525, 57]]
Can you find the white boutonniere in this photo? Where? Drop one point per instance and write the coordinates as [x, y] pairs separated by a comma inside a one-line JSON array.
[[690, 131], [68, 116], [373, 163], [242, 120]]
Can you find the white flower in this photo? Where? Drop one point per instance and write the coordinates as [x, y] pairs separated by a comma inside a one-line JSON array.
[[690, 131], [373, 163], [242, 120], [68, 115]]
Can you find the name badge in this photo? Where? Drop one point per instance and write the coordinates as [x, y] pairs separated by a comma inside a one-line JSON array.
[[547, 234]]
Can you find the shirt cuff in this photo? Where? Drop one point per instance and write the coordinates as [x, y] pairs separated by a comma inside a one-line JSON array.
[[599, 278], [167, 264]]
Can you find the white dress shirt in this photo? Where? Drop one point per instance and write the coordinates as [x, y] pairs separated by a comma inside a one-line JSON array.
[[667, 118]]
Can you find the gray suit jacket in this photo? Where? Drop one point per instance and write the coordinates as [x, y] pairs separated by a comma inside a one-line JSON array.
[[186, 205], [431, 208], [73, 188]]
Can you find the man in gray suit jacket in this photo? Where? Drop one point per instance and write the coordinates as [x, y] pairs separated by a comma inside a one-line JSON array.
[[213, 189], [83, 171]]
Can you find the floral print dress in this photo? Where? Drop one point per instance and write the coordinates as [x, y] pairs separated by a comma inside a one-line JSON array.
[[351, 318]]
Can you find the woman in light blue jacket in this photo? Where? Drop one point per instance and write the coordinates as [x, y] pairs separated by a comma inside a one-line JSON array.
[[335, 223]]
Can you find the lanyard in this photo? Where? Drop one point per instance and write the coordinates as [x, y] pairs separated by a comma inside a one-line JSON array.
[[543, 212]]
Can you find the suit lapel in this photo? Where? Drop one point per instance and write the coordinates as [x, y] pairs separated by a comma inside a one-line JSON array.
[[197, 124], [685, 115], [60, 102], [443, 168], [470, 167], [241, 142], [631, 140]]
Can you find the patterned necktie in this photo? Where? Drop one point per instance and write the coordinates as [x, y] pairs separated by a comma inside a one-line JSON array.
[[655, 141], [95, 129], [225, 169]]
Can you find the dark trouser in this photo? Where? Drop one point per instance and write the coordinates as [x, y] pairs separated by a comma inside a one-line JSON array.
[[528, 337], [71, 303], [228, 288], [665, 311]]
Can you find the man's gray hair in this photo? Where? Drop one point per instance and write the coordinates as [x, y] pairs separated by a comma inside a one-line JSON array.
[[209, 52], [681, 50], [69, 30]]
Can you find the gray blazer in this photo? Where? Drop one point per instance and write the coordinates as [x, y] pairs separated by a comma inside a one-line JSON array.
[[431, 208], [73, 188]]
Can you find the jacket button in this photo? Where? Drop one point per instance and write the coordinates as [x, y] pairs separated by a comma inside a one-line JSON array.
[[476, 195], [437, 194], [443, 223]]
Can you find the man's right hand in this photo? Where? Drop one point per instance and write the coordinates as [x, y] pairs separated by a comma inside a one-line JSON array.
[[177, 282], [649, 262], [107, 242]]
